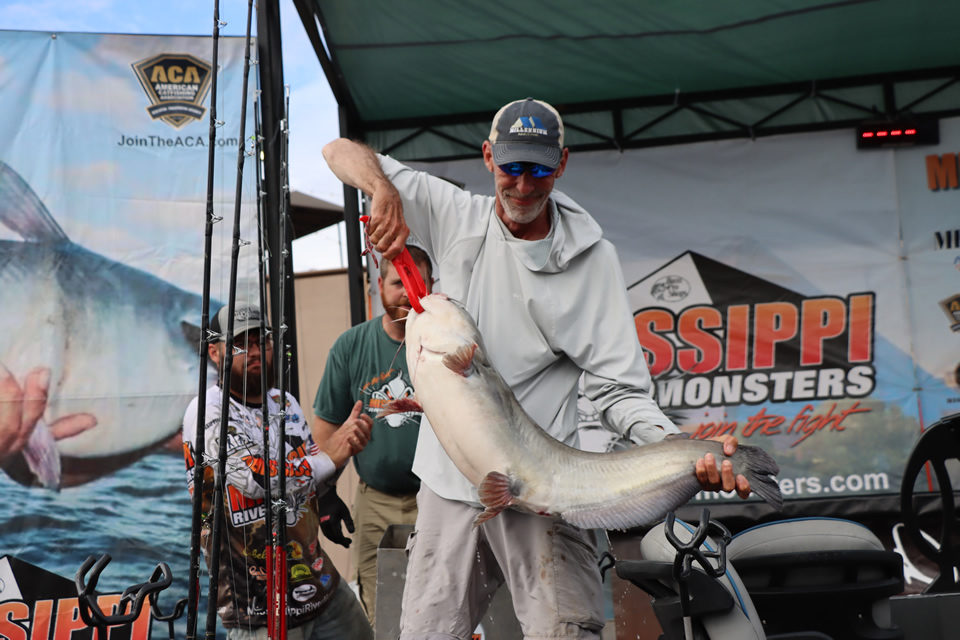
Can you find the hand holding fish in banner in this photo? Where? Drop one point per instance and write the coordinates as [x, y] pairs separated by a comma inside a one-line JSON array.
[[23, 432]]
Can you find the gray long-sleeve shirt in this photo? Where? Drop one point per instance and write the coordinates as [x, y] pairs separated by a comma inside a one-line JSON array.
[[545, 319]]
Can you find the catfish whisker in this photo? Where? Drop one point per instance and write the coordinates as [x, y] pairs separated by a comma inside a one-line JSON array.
[[402, 342]]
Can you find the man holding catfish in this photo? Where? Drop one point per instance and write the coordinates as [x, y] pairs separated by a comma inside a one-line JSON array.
[[546, 291]]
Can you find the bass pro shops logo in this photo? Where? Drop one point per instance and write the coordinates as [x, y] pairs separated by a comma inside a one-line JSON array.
[[670, 289], [177, 84]]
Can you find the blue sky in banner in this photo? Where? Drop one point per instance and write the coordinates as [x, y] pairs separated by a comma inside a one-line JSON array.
[[313, 110], [71, 106]]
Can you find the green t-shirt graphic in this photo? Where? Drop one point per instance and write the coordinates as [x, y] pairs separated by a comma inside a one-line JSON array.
[[366, 364]]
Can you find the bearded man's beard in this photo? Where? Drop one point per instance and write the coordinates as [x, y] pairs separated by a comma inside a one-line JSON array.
[[395, 313], [251, 383], [521, 215]]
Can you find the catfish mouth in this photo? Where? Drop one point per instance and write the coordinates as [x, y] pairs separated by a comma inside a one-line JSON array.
[[443, 346], [446, 333]]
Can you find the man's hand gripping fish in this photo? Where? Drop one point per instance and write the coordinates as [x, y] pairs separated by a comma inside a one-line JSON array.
[[515, 463]]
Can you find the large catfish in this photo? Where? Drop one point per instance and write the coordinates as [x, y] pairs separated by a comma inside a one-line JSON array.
[[515, 463], [121, 344]]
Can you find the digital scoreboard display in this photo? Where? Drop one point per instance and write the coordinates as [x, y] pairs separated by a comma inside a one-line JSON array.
[[897, 133]]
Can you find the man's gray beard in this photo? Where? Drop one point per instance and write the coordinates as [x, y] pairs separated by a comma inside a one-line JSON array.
[[520, 216]]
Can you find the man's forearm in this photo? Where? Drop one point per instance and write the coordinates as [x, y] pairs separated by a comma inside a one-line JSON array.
[[354, 164], [357, 165], [322, 430]]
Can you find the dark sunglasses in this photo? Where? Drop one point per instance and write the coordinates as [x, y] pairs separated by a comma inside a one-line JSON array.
[[518, 168]]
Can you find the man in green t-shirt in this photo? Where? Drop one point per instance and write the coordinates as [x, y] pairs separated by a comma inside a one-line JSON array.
[[369, 363]]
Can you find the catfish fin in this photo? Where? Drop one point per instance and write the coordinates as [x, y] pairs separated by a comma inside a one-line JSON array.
[[401, 405], [486, 515], [461, 360], [635, 509], [22, 211], [43, 457], [496, 492]]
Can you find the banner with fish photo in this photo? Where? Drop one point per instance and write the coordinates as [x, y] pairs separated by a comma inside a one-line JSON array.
[[103, 192], [792, 291]]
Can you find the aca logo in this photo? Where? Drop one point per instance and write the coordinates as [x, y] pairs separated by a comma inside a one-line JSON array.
[[177, 84]]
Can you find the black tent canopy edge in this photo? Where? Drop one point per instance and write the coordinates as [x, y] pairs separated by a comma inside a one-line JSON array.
[[752, 113], [814, 104]]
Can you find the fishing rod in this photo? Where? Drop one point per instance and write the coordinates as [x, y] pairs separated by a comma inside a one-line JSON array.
[[217, 504], [193, 575], [279, 630], [264, 407]]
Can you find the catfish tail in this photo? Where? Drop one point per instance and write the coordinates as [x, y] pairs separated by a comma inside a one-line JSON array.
[[759, 468]]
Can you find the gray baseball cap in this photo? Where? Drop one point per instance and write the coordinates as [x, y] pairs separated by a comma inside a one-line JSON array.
[[527, 131], [245, 318]]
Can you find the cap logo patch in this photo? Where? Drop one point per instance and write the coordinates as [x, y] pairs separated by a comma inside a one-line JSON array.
[[528, 126]]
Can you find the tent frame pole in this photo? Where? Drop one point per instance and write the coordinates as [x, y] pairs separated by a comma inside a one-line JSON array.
[[270, 55]]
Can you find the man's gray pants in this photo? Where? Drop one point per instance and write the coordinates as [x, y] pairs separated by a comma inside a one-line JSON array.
[[454, 569]]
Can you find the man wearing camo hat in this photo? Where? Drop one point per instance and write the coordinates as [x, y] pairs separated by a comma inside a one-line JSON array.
[[319, 605]]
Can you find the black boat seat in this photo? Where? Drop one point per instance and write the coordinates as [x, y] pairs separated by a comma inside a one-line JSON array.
[[836, 568], [836, 565]]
